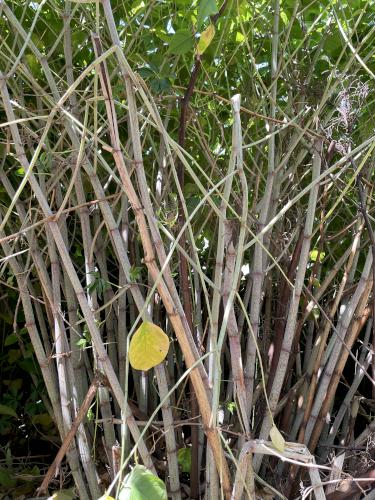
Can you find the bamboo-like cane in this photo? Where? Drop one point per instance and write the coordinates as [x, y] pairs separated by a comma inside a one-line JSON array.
[[149, 260], [342, 328], [64, 254], [160, 370], [334, 377], [364, 363], [234, 341], [257, 267], [294, 305], [214, 370]]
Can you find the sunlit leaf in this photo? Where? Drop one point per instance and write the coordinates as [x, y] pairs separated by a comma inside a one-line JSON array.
[[239, 37], [284, 18], [148, 347], [231, 406], [205, 39], [277, 439], [314, 255], [141, 484]]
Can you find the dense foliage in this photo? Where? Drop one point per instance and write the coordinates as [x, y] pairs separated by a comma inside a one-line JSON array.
[[207, 168]]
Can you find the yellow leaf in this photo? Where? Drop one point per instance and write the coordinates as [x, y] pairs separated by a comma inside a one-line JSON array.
[[148, 347], [239, 37], [277, 439], [205, 39], [106, 497]]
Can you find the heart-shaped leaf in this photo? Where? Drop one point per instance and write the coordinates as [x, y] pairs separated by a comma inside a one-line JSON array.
[[140, 484], [206, 8], [181, 42], [148, 347]]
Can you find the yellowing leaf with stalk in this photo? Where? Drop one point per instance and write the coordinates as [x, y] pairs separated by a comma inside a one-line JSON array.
[[148, 347], [205, 39], [277, 439]]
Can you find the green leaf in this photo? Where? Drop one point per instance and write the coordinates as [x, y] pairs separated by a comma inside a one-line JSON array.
[[35, 471], [277, 439], [7, 410], [13, 355], [7, 479], [20, 172], [81, 343], [206, 8], [314, 255], [135, 273], [205, 39], [11, 339], [231, 406], [315, 313], [14, 384], [239, 37], [160, 85], [141, 484], [7, 318], [90, 415], [284, 18], [181, 42], [184, 459], [43, 419], [27, 365], [33, 64], [316, 283], [148, 347]]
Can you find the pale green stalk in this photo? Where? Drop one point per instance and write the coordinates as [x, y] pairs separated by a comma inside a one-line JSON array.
[[295, 300], [257, 267], [214, 368], [142, 182], [64, 254], [160, 370]]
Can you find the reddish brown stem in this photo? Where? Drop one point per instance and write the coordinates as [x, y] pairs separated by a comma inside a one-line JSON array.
[[363, 315], [183, 265], [184, 283], [281, 311]]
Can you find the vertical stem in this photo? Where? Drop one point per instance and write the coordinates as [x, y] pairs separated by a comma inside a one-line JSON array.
[[69, 267], [295, 299], [149, 259], [257, 268]]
